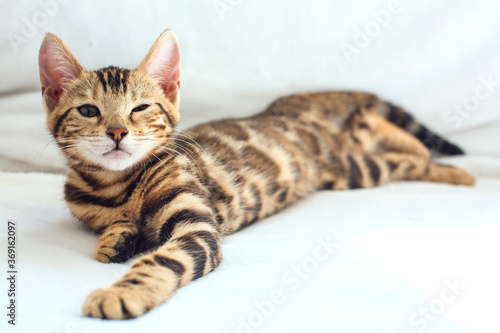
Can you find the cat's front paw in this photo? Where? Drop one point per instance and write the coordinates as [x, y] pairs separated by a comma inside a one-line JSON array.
[[116, 247], [115, 303]]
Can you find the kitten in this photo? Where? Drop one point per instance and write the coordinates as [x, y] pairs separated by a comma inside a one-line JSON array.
[[142, 185]]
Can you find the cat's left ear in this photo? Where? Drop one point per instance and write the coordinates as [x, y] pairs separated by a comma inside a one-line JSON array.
[[163, 62], [58, 67]]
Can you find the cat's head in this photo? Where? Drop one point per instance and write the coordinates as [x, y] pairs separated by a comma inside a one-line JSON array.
[[111, 118]]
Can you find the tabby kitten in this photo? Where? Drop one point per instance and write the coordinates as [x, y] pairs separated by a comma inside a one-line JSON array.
[[142, 185]]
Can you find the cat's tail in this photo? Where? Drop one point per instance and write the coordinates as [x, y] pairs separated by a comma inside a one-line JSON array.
[[339, 105], [433, 141]]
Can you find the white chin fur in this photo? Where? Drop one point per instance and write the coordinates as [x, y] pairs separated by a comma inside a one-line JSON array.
[[116, 160]]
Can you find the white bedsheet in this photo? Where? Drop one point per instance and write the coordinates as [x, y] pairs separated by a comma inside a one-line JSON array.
[[390, 252]]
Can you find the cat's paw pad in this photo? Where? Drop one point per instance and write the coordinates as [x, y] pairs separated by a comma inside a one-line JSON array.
[[116, 247], [114, 303]]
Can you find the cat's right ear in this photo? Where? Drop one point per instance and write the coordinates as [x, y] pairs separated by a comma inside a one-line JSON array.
[[57, 67]]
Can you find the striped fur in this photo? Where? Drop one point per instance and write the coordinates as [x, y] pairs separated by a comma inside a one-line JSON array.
[[187, 190]]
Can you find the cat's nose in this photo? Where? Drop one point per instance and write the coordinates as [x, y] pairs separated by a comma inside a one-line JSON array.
[[117, 134]]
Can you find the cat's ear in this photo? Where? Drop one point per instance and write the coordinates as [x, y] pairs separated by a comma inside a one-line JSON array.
[[163, 62], [57, 67]]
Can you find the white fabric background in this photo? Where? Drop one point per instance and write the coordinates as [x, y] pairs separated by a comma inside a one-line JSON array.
[[398, 243], [430, 57]]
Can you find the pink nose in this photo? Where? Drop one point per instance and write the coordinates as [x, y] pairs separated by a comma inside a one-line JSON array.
[[117, 134]]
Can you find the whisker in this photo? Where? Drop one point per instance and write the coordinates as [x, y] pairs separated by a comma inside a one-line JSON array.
[[197, 147], [184, 135], [194, 160], [198, 169]]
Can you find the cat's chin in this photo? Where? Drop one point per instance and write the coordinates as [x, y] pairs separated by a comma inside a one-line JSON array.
[[116, 160]]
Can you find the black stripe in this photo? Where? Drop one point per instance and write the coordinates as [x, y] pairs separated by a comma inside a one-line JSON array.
[[427, 170], [100, 74], [434, 142], [223, 153], [170, 120], [131, 118], [116, 79], [218, 193], [185, 215], [449, 148], [125, 311], [160, 127], [421, 133], [80, 165], [131, 281], [392, 166], [144, 275], [374, 169], [151, 207], [399, 117], [196, 251], [77, 195], [406, 121], [362, 125], [121, 222], [272, 187], [210, 239], [393, 114], [429, 139], [327, 186], [59, 121], [354, 138], [219, 217], [283, 195], [113, 80], [164, 176], [172, 264], [102, 312], [94, 182], [354, 174], [257, 206], [125, 74]]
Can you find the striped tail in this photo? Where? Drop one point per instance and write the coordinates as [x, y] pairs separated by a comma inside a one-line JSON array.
[[342, 104], [433, 141]]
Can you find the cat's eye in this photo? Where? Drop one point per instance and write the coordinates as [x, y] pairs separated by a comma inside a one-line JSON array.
[[141, 107], [88, 110]]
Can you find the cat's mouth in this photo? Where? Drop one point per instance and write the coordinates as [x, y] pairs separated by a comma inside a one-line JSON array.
[[114, 158], [117, 153]]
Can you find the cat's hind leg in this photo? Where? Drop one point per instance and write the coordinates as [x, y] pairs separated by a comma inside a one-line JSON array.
[[396, 154], [441, 173]]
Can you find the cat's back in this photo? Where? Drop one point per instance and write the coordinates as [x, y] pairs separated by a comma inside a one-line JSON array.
[[255, 166]]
